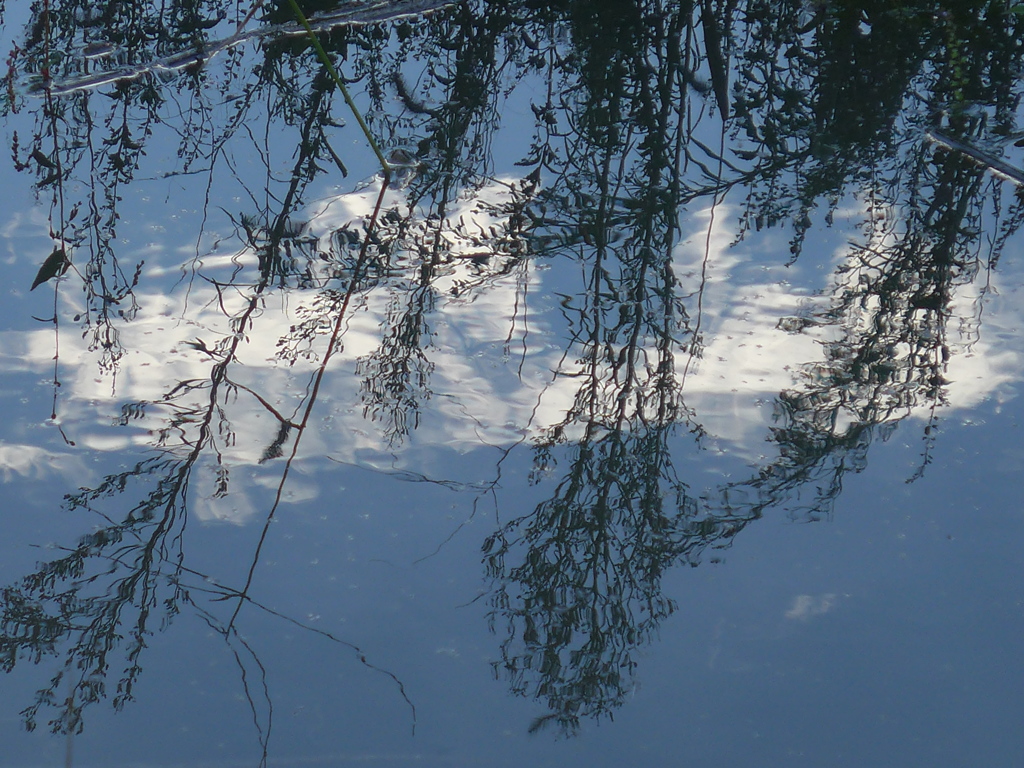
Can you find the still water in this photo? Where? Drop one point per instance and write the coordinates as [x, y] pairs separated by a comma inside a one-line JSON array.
[[657, 405]]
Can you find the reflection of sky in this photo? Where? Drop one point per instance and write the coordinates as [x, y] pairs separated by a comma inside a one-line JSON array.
[[487, 387], [484, 389], [913, 662], [749, 358]]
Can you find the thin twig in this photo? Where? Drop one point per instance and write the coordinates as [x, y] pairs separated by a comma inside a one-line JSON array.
[[384, 164]]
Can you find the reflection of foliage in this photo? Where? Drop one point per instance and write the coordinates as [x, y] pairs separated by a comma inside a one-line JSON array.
[[100, 599], [828, 97], [82, 601], [641, 109], [398, 373], [813, 136], [114, 589], [85, 598], [893, 302], [98, 141], [77, 141], [586, 589]]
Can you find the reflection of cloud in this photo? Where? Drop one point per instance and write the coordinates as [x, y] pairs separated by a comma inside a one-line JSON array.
[[806, 606], [36, 463], [235, 493], [474, 394], [747, 359], [487, 385], [988, 361]]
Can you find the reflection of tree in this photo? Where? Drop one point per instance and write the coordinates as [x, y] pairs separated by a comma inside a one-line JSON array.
[[894, 304], [578, 580], [826, 98], [129, 578], [571, 575], [96, 139], [641, 109], [98, 599], [98, 142], [105, 597]]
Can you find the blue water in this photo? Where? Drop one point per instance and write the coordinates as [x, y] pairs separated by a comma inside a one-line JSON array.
[[836, 584]]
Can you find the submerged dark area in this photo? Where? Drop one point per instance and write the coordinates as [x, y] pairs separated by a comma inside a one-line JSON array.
[[656, 404]]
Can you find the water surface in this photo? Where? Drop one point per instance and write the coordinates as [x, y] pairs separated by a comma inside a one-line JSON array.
[[658, 407]]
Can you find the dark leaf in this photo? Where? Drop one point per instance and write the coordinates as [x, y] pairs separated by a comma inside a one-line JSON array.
[[56, 264]]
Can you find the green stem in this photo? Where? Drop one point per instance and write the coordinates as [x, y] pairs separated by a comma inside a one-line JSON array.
[[384, 164]]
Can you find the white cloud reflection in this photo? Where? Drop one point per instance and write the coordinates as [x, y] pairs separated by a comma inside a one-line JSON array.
[[34, 463], [805, 607], [487, 385]]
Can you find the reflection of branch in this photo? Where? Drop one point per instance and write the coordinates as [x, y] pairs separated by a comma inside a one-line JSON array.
[[985, 159], [620, 112], [893, 302], [578, 580], [353, 14], [397, 374], [45, 608], [339, 312], [284, 421], [407, 476]]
